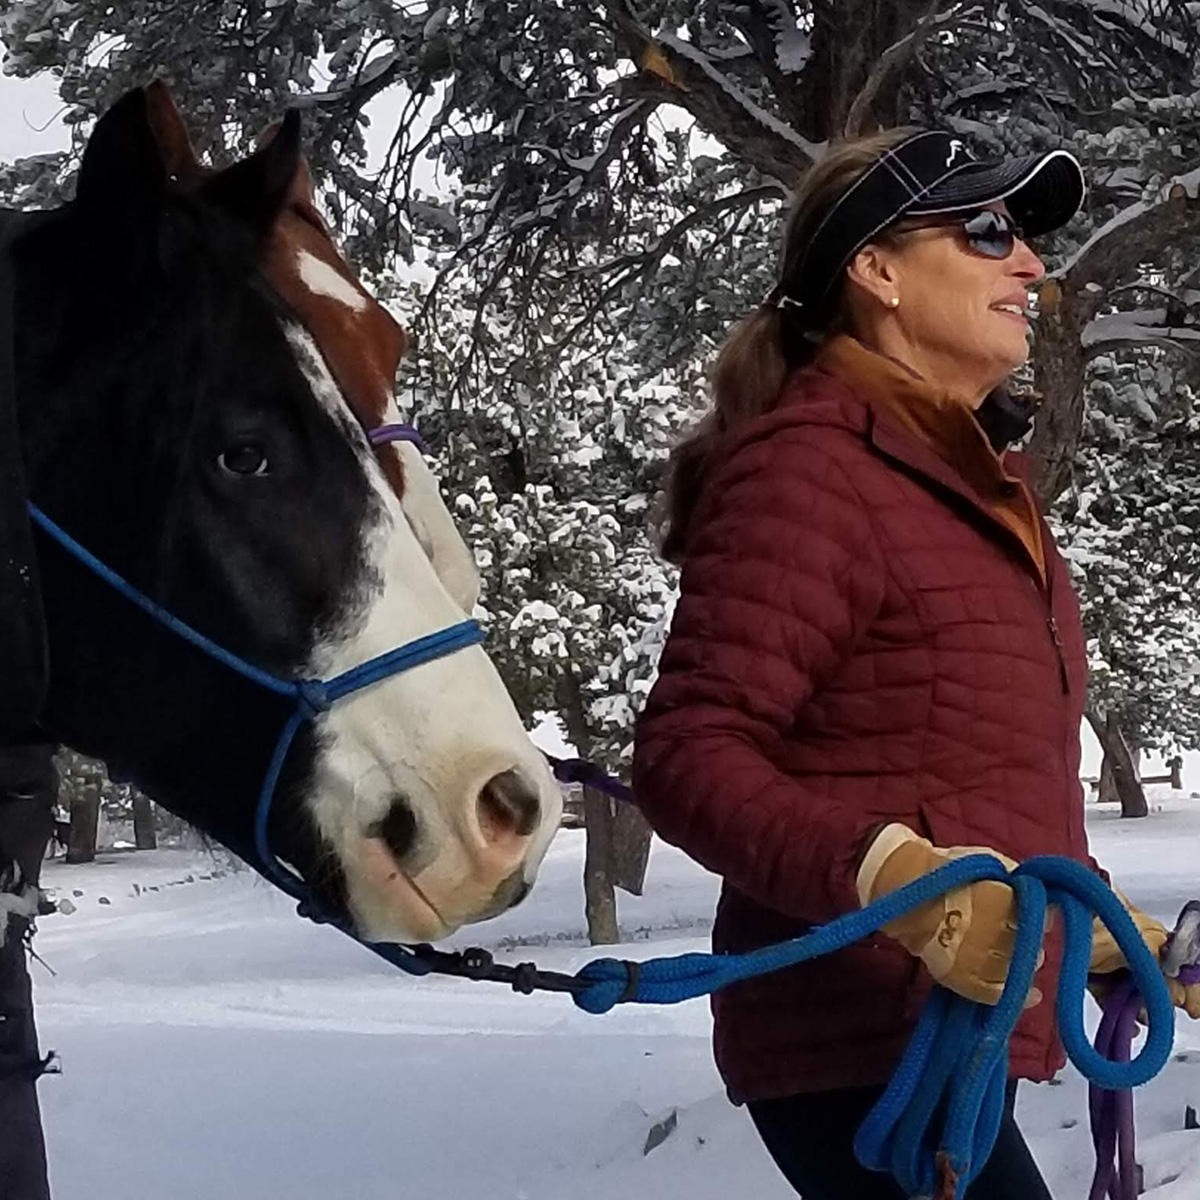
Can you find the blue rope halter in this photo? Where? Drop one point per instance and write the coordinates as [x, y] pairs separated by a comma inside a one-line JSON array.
[[312, 696]]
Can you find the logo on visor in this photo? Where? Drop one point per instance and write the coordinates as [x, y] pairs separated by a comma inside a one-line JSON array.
[[957, 148]]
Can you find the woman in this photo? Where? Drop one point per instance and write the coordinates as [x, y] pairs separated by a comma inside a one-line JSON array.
[[877, 658]]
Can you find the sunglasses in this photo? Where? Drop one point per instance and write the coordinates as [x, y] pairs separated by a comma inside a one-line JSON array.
[[989, 233]]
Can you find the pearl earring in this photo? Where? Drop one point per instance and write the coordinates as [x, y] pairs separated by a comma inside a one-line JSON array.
[[893, 302]]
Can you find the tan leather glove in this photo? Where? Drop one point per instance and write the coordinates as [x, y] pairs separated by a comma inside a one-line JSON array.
[[1107, 957], [1106, 954], [965, 938]]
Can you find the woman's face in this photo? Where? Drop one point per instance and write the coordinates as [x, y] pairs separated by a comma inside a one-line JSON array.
[[961, 322]]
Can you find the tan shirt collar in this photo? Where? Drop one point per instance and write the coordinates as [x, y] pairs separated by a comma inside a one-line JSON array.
[[944, 423], [934, 414]]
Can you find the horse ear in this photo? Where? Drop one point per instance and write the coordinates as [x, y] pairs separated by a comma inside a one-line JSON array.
[[257, 188], [122, 161], [175, 146]]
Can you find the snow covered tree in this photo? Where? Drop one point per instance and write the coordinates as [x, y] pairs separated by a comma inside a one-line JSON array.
[[578, 128], [1131, 529], [552, 477]]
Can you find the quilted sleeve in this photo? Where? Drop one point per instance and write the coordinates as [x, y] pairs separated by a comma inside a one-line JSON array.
[[783, 576]]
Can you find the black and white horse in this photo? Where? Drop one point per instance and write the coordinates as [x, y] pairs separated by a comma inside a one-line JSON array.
[[183, 416], [196, 371]]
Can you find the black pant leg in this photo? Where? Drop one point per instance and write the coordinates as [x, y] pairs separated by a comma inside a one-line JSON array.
[[1011, 1171], [811, 1139], [28, 785]]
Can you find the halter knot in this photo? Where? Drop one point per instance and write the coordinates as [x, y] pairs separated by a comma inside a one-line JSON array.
[[313, 696]]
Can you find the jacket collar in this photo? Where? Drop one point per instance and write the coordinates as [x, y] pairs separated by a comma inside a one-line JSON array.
[[926, 431], [895, 442]]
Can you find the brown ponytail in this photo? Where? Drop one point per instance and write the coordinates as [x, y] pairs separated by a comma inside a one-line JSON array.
[[764, 348]]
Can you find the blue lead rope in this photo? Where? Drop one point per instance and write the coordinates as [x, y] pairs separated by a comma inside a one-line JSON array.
[[937, 1121]]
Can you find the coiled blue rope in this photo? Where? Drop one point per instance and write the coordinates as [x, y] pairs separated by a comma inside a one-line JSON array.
[[936, 1123]]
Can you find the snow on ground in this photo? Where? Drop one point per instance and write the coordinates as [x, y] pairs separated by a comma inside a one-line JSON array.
[[215, 1045]]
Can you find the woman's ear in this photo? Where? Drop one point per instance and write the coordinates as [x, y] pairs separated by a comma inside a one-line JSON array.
[[873, 270]]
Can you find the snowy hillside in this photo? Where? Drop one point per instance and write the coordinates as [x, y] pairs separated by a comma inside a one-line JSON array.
[[215, 1045]]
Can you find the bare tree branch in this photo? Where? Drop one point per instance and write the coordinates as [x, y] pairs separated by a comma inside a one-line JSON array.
[[896, 58], [1070, 298], [681, 74], [1146, 327], [631, 267], [1139, 233]]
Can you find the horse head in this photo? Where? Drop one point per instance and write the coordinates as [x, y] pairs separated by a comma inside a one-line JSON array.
[[196, 372]]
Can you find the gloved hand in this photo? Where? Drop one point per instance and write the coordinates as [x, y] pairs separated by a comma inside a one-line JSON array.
[[1185, 996], [965, 938], [1107, 957], [1106, 954]]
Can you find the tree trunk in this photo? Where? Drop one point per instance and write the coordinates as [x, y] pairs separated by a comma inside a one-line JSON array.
[[1107, 792], [631, 848], [600, 900], [1120, 779], [847, 42], [1058, 370], [1124, 771], [1105, 789], [143, 822], [85, 820]]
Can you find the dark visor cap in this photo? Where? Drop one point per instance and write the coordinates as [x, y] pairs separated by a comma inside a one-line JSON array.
[[935, 172]]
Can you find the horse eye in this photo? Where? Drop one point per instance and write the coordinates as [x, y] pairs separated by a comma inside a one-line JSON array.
[[249, 458]]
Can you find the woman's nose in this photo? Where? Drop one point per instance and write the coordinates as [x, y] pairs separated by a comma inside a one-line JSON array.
[[1025, 263]]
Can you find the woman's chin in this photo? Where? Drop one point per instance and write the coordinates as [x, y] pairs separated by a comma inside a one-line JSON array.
[[1012, 355]]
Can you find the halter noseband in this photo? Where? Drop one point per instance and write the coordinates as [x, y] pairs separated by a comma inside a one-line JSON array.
[[312, 696]]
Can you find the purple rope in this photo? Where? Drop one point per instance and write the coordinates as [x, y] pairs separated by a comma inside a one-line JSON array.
[[381, 435], [576, 770], [1111, 1112]]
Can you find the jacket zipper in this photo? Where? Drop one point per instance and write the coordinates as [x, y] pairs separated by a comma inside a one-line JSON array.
[[1052, 624], [1055, 635]]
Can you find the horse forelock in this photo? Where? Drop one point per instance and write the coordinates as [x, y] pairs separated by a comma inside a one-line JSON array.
[[359, 339]]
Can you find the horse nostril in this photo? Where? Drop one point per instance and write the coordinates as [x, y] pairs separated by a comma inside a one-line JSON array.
[[398, 829], [508, 806]]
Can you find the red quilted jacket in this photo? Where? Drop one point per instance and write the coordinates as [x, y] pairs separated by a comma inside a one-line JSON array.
[[858, 640]]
